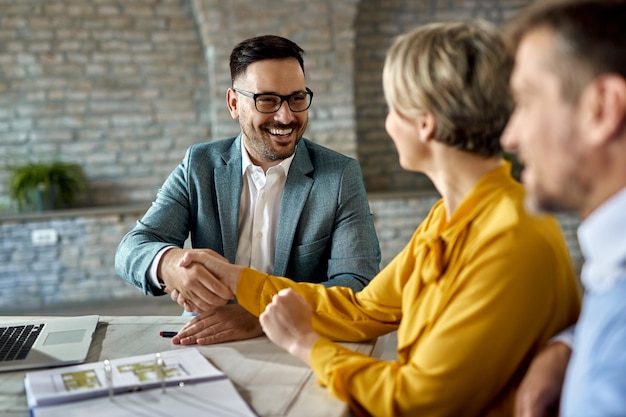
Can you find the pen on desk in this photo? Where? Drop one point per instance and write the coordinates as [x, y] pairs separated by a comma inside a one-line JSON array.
[[168, 334]]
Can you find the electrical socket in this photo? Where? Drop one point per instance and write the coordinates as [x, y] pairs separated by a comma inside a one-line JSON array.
[[42, 237]]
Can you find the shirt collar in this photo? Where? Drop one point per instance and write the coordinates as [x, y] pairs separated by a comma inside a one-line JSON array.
[[246, 162], [602, 239]]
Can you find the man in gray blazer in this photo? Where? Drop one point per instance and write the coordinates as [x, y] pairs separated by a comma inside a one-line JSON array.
[[267, 198]]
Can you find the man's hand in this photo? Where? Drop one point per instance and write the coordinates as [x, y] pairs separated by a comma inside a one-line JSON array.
[[187, 271], [219, 324], [178, 298], [287, 323], [217, 266], [540, 390]]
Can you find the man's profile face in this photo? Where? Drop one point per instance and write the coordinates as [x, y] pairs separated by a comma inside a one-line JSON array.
[[544, 129], [269, 138]]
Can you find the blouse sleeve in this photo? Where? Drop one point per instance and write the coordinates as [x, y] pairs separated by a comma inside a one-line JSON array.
[[339, 313]]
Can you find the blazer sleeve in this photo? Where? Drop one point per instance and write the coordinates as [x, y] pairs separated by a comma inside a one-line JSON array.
[[354, 248], [166, 223]]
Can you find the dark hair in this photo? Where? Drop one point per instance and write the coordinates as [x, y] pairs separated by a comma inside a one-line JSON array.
[[259, 48], [589, 34]]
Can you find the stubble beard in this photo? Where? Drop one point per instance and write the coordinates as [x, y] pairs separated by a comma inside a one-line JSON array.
[[259, 141], [570, 197]]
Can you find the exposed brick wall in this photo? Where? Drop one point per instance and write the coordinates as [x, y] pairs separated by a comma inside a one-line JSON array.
[[78, 267], [116, 86]]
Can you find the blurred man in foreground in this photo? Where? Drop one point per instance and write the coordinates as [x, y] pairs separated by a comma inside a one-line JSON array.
[[569, 130]]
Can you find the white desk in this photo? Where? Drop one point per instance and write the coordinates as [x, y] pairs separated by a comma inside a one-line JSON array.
[[272, 382]]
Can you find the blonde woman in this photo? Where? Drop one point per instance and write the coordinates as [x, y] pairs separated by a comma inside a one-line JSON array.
[[481, 285]]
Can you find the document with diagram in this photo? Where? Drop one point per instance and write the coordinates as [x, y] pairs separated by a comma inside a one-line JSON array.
[[175, 382]]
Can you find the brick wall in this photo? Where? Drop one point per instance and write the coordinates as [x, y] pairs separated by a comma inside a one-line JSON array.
[[116, 86], [76, 267]]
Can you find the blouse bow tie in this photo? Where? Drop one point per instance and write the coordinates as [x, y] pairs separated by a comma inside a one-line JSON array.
[[433, 251]]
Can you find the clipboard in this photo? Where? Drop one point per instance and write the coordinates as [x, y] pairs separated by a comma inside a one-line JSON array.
[[177, 382]]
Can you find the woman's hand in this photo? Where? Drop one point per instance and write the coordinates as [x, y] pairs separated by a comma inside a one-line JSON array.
[[287, 322]]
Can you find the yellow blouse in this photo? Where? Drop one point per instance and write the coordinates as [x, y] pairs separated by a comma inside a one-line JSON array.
[[473, 300]]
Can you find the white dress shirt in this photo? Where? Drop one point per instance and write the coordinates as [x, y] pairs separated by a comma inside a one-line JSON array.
[[261, 193], [259, 208]]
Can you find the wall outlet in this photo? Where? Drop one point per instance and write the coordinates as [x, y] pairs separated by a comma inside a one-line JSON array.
[[42, 237]]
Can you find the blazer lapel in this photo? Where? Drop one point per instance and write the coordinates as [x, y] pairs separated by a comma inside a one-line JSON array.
[[228, 193], [296, 192]]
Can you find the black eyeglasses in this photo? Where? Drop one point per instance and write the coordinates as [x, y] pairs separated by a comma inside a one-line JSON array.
[[271, 103]]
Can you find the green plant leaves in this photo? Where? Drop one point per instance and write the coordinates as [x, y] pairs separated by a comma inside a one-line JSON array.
[[46, 185]]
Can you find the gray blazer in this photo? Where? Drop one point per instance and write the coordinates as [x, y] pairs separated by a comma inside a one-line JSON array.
[[325, 233]]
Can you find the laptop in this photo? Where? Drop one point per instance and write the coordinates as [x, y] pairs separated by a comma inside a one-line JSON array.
[[45, 342]]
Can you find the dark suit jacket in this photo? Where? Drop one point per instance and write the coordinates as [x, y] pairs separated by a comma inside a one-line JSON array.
[[325, 233]]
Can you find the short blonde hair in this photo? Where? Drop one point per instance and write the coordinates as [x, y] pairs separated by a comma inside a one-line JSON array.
[[459, 72]]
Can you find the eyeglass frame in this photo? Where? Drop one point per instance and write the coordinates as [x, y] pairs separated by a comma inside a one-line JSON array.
[[286, 98]]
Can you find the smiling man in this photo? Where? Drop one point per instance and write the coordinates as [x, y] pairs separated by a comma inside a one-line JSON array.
[[268, 199]]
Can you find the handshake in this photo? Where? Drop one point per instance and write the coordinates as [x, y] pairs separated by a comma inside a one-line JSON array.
[[198, 279], [203, 282]]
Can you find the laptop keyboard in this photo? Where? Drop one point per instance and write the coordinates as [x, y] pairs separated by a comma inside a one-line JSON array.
[[16, 341]]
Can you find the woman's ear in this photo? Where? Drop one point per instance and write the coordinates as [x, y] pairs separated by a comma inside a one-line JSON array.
[[232, 101], [426, 125]]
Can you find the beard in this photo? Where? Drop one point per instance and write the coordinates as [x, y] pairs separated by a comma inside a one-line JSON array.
[[569, 195], [546, 204], [265, 148], [566, 185]]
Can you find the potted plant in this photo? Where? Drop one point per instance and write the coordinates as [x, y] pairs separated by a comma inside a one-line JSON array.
[[46, 185]]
